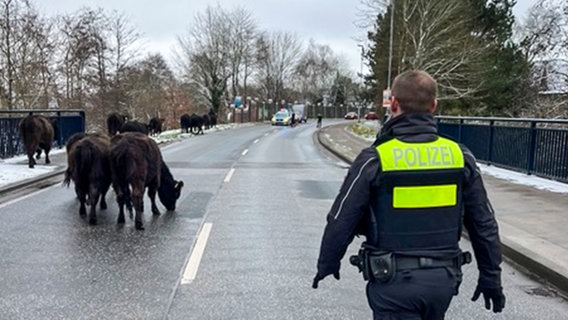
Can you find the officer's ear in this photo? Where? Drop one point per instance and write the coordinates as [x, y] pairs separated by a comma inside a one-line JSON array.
[[433, 106], [394, 106]]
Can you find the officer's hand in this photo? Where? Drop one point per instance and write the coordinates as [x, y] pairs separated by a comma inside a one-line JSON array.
[[319, 277], [491, 295]]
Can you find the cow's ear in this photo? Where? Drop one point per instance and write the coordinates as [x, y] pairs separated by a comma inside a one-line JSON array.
[[178, 184]]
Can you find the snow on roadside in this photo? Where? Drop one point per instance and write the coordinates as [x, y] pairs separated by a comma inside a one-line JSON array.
[[524, 179]]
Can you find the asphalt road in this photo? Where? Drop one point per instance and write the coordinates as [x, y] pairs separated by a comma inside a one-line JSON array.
[[257, 196]]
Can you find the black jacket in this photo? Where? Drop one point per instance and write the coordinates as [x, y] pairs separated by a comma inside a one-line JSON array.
[[349, 214]]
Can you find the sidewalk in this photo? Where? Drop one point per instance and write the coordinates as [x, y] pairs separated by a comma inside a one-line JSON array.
[[532, 222]]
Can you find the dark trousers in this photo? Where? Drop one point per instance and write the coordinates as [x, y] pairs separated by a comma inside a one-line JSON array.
[[417, 294]]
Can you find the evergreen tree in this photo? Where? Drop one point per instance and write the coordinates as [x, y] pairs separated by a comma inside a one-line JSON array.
[[465, 45]]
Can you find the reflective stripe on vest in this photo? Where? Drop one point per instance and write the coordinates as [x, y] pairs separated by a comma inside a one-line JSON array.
[[441, 154]]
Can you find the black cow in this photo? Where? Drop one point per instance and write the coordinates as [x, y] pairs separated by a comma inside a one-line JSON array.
[[37, 133], [134, 126], [115, 121], [195, 124], [206, 121], [212, 118], [184, 123], [191, 123], [88, 165], [155, 125], [136, 163]]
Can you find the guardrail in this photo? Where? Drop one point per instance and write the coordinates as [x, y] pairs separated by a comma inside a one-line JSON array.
[[67, 122], [532, 146]]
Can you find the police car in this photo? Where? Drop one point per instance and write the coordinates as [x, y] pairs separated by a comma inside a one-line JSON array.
[[281, 118]]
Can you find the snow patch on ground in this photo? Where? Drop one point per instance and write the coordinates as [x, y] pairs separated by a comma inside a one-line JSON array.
[[524, 179]]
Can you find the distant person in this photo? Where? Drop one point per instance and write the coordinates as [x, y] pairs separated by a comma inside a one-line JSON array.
[[319, 121], [293, 120], [409, 194]]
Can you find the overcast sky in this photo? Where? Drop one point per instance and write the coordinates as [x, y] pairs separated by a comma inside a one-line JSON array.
[[161, 21]]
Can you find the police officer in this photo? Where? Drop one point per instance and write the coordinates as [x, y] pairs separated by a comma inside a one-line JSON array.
[[409, 194]]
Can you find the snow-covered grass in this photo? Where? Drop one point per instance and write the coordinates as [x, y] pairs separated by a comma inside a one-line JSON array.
[[366, 129]]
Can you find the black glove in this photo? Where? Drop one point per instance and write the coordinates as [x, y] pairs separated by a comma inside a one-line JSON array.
[[319, 277], [494, 295]]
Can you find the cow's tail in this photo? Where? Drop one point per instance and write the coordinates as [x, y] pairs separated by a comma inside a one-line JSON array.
[[83, 156], [123, 166], [28, 132]]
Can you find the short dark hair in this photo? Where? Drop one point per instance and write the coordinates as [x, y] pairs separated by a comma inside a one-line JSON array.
[[415, 90]]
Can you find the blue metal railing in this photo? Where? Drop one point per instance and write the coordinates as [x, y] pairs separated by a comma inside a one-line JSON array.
[[67, 122], [533, 146]]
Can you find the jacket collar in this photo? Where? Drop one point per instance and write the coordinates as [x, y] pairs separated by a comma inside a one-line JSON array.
[[407, 126]]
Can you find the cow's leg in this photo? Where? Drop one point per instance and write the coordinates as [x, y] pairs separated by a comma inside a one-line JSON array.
[[38, 153], [120, 201], [31, 160], [94, 195], [47, 161], [103, 199], [93, 211], [138, 202], [152, 194], [82, 200], [128, 203]]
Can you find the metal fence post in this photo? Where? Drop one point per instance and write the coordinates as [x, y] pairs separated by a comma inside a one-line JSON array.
[[531, 147], [60, 130], [460, 130], [490, 146]]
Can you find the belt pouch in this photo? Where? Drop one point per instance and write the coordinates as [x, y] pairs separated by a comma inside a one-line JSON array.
[[382, 266]]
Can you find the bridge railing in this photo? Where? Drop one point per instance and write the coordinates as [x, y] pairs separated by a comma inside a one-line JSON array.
[[533, 146], [67, 122]]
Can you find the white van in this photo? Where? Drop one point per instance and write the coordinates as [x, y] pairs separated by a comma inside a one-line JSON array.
[[300, 111]]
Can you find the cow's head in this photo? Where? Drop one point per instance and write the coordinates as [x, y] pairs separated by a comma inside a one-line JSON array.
[[170, 189]]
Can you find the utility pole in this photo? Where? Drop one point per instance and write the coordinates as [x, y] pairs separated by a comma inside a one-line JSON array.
[[360, 104], [390, 44]]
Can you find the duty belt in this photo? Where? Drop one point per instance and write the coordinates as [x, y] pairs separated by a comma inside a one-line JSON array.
[[383, 265], [404, 262]]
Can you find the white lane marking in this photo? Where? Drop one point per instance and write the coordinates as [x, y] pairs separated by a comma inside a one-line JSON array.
[[27, 196], [256, 141], [229, 175], [245, 152], [195, 259]]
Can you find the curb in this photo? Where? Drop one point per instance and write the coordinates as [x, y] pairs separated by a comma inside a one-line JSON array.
[[329, 146], [31, 181]]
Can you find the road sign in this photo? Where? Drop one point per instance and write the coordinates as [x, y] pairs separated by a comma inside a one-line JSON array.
[[386, 98]]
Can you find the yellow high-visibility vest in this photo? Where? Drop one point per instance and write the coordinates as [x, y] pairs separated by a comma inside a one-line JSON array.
[[441, 154]]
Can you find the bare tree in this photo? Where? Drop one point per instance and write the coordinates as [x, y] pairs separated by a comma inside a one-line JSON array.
[[367, 11], [278, 56], [206, 55], [146, 84], [26, 51], [543, 37], [316, 71], [544, 32], [436, 38], [123, 39], [242, 36], [81, 44]]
